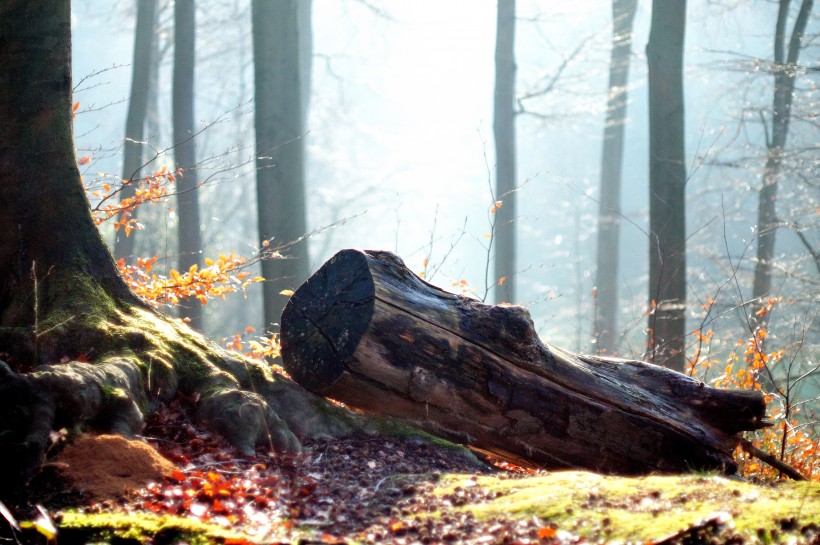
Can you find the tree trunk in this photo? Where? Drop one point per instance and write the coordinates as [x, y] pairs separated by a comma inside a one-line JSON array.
[[62, 298], [785, 71], [504, 133], [366, 331], [667, 185], [279, 79], [190, 239], [132, 162], [609, 211], [306, 54]]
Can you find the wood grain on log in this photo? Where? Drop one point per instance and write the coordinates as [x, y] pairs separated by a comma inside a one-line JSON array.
[[368, 332]]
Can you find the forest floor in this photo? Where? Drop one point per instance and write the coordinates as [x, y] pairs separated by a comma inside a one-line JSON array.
[[377, 489]]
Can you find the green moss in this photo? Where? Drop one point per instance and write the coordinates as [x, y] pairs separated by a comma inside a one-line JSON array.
[[112, 394], [642, 509], [402, 430], [141, 527], [64, 306]]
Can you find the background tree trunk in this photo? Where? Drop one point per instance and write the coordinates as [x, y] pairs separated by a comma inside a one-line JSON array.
[[306, 54], [132, 162], [190, 239], [366, 331], [785, 71], [667, 185], [609, 211], [279, 79], [505, 168]]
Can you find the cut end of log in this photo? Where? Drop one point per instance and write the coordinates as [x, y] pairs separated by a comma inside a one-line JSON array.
[[326, 318]]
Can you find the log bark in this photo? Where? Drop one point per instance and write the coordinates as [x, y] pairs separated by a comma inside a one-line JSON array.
[[366, 331]]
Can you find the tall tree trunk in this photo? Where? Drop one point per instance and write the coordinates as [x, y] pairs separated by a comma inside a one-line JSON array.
[[190, 239], [505, 169], [609, 212], [667, 185], [144, 37], [306, 53], [45, 222], [153, 121], [279, 80], [62, 297], [785, 71]]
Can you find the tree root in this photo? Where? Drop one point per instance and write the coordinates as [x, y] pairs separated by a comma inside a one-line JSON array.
[[148, 359]]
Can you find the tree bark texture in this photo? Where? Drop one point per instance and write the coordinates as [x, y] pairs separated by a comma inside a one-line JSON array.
[[366, 331], [279, 78], [132, 161], [667, 185], [785, 72], [189, 239], [37, 166], [504, 238], [609, 210]]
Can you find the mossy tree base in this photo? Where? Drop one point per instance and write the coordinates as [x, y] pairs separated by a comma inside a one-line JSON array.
[[105, 362]]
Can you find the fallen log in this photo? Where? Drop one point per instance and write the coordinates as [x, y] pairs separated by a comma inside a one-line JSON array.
[[366, 331]]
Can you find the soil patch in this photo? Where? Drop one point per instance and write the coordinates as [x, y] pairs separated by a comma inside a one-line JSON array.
[[106, 466]]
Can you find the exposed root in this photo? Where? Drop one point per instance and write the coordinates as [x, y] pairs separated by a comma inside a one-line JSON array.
[[145, 359]]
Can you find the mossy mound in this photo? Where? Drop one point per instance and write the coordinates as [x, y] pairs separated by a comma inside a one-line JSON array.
[[141, 528], [645, 509]]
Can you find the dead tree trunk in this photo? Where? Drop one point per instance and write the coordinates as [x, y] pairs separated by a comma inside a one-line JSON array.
[[368, 332]]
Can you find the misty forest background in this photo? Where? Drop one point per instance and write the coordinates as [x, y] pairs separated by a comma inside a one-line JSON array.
[[399, 154]]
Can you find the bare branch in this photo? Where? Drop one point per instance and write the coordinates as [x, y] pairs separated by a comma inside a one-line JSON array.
[[771, 460]]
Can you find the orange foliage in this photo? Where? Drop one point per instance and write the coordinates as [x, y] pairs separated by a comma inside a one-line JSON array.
[[258, 348], [801, 451], [217, 278], [743, 370], [150, 189]]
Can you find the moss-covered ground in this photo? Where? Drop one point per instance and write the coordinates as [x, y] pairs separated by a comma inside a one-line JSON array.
[[140, 527], [643, 509]]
